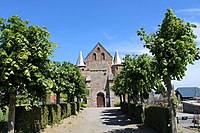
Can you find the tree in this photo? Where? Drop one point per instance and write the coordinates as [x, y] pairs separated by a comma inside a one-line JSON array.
[[67, 80], [142, 75], [24, 62], [119, 86], [173, 47]]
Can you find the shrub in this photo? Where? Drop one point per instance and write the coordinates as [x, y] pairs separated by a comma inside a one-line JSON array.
[[73, 108], [158, 118], [54, 113], [78, 104], [124, 107], [139, 114], [31, 121], [84, 105], [131, 110], [63, 110], [117, 104], [69, 112]]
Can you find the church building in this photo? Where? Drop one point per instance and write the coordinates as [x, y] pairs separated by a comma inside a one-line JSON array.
[[99, 68]]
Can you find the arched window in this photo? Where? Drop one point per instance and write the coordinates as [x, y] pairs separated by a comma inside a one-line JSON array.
[[98, 49], [94, 56], [103, 56]]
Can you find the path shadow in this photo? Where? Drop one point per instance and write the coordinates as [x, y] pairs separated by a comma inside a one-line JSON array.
[[116, 117]]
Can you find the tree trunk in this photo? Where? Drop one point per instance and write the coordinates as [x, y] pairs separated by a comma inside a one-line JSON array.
[[173, 122], [124, 98], [120, 98], [69, 98], [129, 99], [58, 98], [11, 113]]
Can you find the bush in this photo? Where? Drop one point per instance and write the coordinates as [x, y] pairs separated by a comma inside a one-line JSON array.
[[117, 104], [124, 107], [158, 118], [139, 114], [73, 108], [31, 121], [69, 112], [63, 110], [131, 110], [78, 104], [84, 105], [54, 114]]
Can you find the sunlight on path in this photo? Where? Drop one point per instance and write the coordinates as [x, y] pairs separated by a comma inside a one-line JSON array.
[[99, 120]]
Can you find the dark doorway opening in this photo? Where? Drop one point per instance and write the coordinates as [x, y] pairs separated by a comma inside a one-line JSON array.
[[100, 100]]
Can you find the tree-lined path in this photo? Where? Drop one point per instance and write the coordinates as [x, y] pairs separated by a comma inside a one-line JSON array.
[[99, 120]]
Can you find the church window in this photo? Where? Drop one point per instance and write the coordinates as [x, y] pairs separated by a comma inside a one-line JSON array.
[[103, 56], [94, 56], [98, 49]]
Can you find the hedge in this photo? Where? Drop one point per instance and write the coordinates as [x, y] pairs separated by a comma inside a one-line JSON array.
[[73, 108], [31, 121], [158, 118], [78, 104], [69, 112], [63, 110], [54, 113], [124, 107], [133, 110]]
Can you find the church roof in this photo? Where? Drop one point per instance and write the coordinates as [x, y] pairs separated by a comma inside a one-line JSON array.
[[117, 60], [80, 61], [99, 45]]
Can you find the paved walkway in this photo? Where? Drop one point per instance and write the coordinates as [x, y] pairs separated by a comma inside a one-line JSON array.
[[99, 120]]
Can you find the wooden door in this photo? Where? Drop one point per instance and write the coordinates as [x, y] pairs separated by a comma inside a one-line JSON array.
[[100, 100]]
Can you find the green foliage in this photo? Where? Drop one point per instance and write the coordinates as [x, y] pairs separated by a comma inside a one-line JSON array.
[[69, 108], [139, 113], [137, 77], [84, 105], [124, 107], [172, 45], [133, 110], [63, 110], [54, 114], [31, 121], [78, 104], [67, 80], [117, 104], [158, 118], [24, 62], [73, 108]]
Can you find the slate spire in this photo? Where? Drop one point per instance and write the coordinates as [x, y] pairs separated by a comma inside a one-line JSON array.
[[80, 61], [117, 60]]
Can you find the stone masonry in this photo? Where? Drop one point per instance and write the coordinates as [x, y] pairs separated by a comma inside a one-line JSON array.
[[98, 68]]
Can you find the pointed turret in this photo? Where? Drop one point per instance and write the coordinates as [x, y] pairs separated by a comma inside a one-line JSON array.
[[117, 60], [117, 64], [80, 61]]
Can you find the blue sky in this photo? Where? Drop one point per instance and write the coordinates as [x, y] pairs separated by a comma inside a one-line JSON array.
[[77, 25]]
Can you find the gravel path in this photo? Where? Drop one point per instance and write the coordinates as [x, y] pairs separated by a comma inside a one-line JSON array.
[[99, 120]]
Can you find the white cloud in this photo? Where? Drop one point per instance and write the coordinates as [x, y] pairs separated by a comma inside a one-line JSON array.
[[109, 36], [194, 11], [127, 47]]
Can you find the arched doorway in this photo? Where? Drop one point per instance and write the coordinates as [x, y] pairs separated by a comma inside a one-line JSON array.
[[100, 100]]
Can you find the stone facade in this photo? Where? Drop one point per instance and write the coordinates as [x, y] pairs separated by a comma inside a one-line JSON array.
[[98, 70]]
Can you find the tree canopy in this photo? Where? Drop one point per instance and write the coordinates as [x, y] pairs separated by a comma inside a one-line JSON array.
[[173, 47], [24, 52]]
